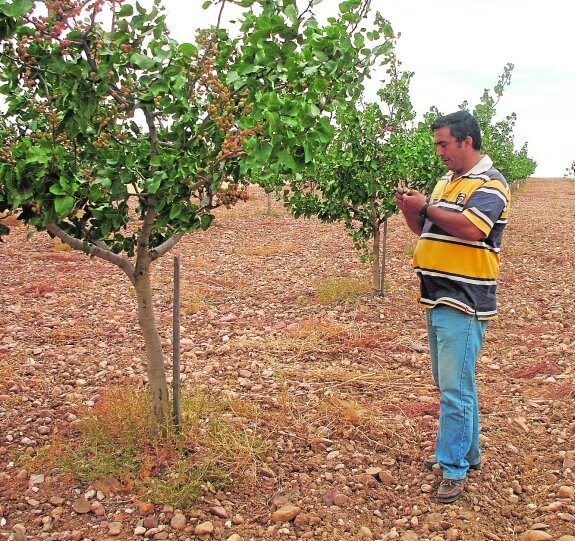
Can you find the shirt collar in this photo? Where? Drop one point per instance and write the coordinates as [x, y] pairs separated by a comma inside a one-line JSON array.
[[481, 166]]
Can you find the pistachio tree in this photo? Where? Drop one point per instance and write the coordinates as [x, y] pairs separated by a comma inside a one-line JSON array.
[[377, 146], [118, 140], [498, 136]]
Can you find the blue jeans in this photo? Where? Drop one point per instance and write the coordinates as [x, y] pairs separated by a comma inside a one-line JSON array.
[[455, 339]]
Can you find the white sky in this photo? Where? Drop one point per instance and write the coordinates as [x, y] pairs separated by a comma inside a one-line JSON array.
[[458, 48]]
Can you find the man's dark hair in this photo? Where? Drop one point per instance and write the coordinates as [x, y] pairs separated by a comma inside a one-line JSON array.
[[460, 124]]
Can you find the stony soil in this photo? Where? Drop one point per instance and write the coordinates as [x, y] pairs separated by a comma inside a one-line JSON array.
[[343, 389]]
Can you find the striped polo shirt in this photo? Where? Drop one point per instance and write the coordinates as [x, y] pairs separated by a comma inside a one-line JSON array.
[[463, 273]]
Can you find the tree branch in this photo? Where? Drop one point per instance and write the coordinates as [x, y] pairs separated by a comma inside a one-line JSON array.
[[92, 250], [165, 247]]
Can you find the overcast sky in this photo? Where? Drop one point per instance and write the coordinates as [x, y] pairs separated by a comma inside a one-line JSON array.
[[457, 48]]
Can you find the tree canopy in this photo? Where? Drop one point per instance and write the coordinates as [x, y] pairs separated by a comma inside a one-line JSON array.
[[118, 140]]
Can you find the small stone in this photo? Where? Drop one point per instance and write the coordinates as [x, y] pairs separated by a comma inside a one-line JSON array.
[[452, 534], [204, 528], [36, 479], [145, 508], [235, 537], [539, 526], [386, 478], [219, 511], [365, 533], [285, 513], [19, 532], [98, 509], [566, 492], [115, 528], [341, 500], [81, 506], [151, 522], [535, 535], [178, 521]]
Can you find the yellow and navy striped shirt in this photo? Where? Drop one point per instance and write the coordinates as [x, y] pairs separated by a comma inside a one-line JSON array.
[[457, 272]]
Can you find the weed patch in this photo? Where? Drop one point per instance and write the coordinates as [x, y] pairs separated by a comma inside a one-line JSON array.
[[341, 289], [213, 448]]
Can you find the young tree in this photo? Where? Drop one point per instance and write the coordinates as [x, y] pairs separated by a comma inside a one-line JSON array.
[[373, 151], [498, 137], [117, 139]]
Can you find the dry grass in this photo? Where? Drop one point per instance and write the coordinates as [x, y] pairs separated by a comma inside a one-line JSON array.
[[7, 375], [335, 290], [193, 300], [311, 339], [214, 447], [60, 246], [346, 414], [409, 250]]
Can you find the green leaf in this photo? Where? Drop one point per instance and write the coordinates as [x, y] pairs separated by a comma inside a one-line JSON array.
[[262, 150], [232, 77], [175, 211], [308, 151], [388, 30], [126, 11], [17, 8], [153, 184], [291, 13], [205, 221], [143, 62], [63, 205], [314, 110], [56, 189], [287, 160], [39, 155], [187, 49]]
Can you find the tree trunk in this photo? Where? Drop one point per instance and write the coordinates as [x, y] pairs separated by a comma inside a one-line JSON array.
[[140, 278], [154, 353], [375, 271], [383, 257]]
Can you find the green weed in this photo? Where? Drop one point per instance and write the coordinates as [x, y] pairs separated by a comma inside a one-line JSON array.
[[341, 289]]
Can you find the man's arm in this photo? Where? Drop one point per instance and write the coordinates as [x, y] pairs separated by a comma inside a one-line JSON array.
[[455, 223], [410, 202]]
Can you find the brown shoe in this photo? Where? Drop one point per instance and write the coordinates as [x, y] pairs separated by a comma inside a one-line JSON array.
[[431, 461], [450, 490]]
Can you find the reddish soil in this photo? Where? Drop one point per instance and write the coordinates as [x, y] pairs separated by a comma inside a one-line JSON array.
[[341, 388]]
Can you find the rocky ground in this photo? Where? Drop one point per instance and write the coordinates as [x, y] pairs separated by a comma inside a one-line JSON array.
[[343, 389]]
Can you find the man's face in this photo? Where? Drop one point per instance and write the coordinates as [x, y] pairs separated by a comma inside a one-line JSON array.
[[453, 154]]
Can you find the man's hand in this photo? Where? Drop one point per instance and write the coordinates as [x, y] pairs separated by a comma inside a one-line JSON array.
[[409, 201]]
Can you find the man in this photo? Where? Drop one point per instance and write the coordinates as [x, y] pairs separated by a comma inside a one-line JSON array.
[[457, 261]]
